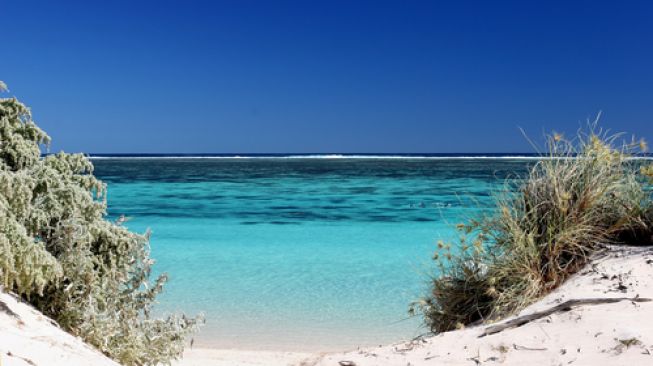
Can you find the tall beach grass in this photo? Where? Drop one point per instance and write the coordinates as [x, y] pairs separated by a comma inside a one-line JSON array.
[[584, 193]]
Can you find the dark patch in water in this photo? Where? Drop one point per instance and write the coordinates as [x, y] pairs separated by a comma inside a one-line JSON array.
[[383, 218], [335, 207], [284, 207], [423, 219]]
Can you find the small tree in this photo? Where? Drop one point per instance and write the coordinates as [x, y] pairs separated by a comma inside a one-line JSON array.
[[60, 253]]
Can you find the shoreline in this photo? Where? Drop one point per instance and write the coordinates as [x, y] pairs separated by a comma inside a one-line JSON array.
[[233, 357], [592, 334], [609, 333]]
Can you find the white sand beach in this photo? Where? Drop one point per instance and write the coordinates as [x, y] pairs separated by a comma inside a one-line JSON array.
[[28, 338], [619, 333]]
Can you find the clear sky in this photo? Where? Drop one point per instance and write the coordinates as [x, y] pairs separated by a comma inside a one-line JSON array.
[[326, 76]]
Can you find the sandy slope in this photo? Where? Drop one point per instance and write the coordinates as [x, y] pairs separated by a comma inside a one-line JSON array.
[[606, 334], [29, 338]]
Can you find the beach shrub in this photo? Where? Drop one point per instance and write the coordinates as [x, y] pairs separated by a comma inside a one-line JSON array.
[[584, 193], [59, 252]]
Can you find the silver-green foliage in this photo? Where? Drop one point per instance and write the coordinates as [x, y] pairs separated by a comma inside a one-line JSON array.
[[58, 250]]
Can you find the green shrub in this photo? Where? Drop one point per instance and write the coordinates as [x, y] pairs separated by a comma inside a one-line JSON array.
[[59, 252], [584, 194]]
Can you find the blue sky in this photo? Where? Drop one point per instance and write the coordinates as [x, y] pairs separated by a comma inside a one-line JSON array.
[[334, 76]]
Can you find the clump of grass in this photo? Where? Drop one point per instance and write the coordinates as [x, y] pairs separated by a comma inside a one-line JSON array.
[[647, 171], [59, 252], [586, 192]]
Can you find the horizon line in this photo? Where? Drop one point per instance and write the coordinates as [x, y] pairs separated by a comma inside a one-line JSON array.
[[329, 156]]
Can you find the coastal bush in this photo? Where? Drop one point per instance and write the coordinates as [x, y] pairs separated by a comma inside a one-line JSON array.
[[59, 252], [585, 193]]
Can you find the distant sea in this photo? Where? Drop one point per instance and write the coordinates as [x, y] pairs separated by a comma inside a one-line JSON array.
[[300, 252], [328, 156]]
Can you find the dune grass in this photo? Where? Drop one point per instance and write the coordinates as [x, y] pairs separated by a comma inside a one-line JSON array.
[[585, 193]]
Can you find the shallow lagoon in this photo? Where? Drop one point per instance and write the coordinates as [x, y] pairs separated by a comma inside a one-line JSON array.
[[299, 253]]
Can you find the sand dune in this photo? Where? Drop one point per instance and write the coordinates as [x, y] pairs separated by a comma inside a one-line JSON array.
[[28, 338]]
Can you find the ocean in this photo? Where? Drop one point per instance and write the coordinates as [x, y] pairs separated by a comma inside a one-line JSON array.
[[305, 252]]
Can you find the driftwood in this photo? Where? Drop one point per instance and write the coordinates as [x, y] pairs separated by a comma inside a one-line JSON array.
[[565, 306]]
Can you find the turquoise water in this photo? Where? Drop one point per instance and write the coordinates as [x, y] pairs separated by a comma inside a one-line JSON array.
[[299, 254]]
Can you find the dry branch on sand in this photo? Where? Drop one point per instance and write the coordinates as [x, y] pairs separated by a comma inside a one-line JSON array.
[[565, 306]]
